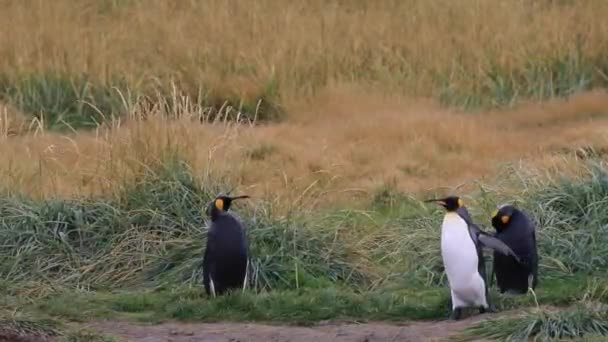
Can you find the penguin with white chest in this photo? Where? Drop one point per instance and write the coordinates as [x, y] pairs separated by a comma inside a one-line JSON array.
[[462, 255], [226, 255], [516, 230]]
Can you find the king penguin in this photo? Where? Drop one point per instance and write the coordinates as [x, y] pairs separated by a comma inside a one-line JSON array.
[[462, 255], [225, 261], [516, 230]]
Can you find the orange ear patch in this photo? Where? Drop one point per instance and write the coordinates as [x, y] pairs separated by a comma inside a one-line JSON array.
[[505, 219], [219, 203]]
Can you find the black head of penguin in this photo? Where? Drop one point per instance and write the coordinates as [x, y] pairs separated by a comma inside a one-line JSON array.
[[220, 205], [502, 217], [450, 203]]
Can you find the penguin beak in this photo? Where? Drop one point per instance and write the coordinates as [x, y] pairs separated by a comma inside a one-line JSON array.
[[239, 197]]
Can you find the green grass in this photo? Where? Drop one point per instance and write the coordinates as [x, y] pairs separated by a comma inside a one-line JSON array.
[[537, 80], [304, 306], [586, 317], [573, 323], [137, 256], [65, 102], [83, 335], [16, 324], [575, 222], [298, 306], [20, 326]]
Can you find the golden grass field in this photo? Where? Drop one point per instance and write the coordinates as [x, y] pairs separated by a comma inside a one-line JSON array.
[[389, 47], [357, 80], [352, 148]]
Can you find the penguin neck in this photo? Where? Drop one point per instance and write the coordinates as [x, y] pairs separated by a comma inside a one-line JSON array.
[[452, 218], [216, 214]]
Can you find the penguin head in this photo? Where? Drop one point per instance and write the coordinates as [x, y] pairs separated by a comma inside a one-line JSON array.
[[221, 204], [501, 217], [450, 203]]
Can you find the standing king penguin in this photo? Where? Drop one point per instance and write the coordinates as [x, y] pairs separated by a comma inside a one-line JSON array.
[[516, 230], [226, 255], [462, 254]]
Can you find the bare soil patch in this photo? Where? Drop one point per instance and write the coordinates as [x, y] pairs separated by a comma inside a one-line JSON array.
[[255, 332]]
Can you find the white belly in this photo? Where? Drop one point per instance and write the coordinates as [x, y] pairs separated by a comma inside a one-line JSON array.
[[460, 261]]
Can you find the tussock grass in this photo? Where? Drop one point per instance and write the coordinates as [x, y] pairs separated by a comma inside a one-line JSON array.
[[154, 231], [63, 102], [25, 327], [587, 318], [573, 323], [152, 236], [334, 155], [83, 335], [17, 326], [572, 213]]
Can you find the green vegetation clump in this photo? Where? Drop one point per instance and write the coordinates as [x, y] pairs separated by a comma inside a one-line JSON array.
[[61, 102], [573, 216], [14, 326], [138, 255], [65, 102], [70, 102], [587, 318], [537, 80]]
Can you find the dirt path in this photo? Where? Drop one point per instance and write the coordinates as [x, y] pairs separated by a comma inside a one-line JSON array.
[[254, 332]]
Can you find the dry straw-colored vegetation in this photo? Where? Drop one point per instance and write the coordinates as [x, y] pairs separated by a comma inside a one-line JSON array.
[[404, 47], [354, 149], [359, 81]]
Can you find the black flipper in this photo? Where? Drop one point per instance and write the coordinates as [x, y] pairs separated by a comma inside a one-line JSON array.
[[481, 237], [497, 245], [481, 268], [475, 232], [209, 265], [492, 276], [534, 265]]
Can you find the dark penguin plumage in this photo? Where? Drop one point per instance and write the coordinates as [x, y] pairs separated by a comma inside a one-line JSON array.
[[460, 233], [516, 230], [226, 255]]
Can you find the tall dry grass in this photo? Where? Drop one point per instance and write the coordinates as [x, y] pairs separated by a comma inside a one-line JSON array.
[[239, 47], [353, 75], [340, 148]]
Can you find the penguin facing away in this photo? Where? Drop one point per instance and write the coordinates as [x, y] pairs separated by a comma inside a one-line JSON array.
[[225, 261], [462, 255], [515, 229]]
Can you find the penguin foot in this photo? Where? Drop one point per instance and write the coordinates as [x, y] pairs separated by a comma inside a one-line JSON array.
[[513, 293], [456, 314], [490, 309]]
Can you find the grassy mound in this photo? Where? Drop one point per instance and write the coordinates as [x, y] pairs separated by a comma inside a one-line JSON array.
[[15, 326], [587, 318], [66, 102], [138, 255]]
